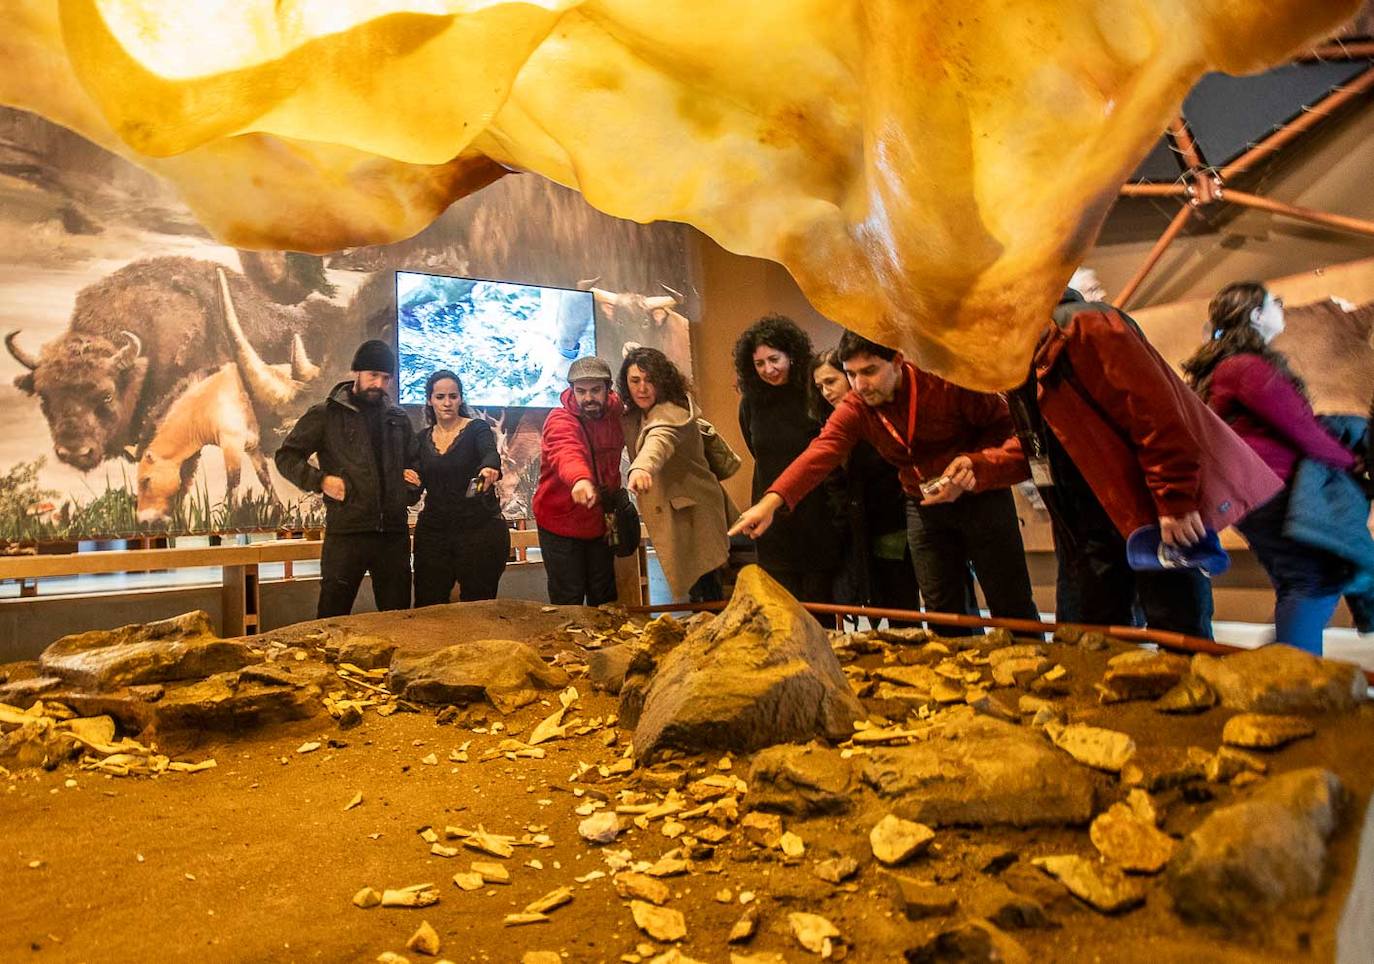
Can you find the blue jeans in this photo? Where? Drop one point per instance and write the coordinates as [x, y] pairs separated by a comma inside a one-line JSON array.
[[1307, 581]]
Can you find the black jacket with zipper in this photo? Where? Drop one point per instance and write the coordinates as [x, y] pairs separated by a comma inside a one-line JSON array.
[[335, 431]]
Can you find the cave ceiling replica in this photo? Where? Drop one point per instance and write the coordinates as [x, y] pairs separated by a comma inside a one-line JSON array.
[[930, 173]]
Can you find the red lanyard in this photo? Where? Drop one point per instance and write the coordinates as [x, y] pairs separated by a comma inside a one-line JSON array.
[[909, 371]]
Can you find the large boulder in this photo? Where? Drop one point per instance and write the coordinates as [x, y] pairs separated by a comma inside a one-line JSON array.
[[181, 648], [505, 673], [1252, 857], [760, 673], [977, 770], [1281, 679]]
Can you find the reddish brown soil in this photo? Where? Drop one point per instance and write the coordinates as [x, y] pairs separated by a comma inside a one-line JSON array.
[[256, 860]]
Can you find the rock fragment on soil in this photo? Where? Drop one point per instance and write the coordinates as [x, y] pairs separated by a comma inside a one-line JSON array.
[[1266, 852], [1282, 680], [978, 770], [1132, 843], [895, 841], [971, 941], [800, 781], [1264, 731], [814, 933], [661, 923], [1093, 746], [504, 672], [425, 940], [760, 673], [601, 827], [1102, 886]]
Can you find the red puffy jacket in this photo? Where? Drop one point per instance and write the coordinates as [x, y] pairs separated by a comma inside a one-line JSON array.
[[564, 461], [1144, 442]]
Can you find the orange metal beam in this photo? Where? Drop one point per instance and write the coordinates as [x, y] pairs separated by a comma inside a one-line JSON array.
[[1176, 226], [1154, 190], [1323, 109], [1338, 221]]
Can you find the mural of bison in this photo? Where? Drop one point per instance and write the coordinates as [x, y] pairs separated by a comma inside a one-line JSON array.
[[135, 335]]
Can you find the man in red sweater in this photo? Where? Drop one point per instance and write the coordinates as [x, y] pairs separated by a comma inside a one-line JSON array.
[[579, 464], [948, 445]]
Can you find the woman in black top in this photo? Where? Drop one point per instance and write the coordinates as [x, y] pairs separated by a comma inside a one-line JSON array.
[[460, 536], [802, 549]]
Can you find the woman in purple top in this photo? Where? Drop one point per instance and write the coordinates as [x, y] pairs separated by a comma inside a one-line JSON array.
[[1252, 387]]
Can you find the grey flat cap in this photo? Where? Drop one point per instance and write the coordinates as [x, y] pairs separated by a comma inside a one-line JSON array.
[[589, 367]]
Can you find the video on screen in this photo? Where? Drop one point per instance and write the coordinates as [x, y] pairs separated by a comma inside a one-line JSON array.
[[511, 344]]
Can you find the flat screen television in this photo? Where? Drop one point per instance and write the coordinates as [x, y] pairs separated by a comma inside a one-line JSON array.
[[511, 344]]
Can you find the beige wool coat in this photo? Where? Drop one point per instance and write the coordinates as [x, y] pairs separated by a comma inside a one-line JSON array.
[[685, 510]]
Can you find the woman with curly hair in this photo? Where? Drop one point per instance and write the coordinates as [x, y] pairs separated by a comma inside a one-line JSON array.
[[680, 499], [460, 536], [773, 361], [1252, 387]]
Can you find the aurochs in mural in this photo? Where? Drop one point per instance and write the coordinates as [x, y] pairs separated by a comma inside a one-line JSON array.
[[151, 373]]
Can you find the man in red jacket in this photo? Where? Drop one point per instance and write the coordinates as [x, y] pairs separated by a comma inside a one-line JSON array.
[[579, 463], [1116, 442], [949, 447]]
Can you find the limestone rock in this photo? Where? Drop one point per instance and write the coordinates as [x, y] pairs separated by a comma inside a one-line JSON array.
[[1228, 763], [1146, 676], [1018, 672], [1264, 731], [835, 869], [1252, 857], [1019, 651], [896, 841], [919, 900], [606, 668], [504, 672], [760, 673], [425, 940], [22, 692], [1190, 695], [641, 887], [1155, 768], [182, 648], [801, 781], [1093, 746], [363, 650], [1133, 843], [1281, 679], [763, 829], [977, 770], [971, 942], [1100, 885], [661, 923], [601, 827], [813, 932], [221, 703]]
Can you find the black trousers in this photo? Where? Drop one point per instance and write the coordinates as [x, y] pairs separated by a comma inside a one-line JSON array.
[[806, 585], [1105, 591], [979, 529], [578, 570], [347, 556], [472, 556]]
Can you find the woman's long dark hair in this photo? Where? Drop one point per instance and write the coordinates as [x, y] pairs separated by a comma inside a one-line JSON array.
[[668, 381], [1228, 319], [820, 408], [434, 379], [782, 333]]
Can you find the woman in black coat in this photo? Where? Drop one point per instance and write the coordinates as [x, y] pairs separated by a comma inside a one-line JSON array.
[[460, 535], [802, 549]]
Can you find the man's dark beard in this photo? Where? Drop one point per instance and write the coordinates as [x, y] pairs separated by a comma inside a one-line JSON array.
[[592, 409], [370, 396]]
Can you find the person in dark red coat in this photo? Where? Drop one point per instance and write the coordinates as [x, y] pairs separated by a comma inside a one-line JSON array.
[[1251, 386], [938, 435], [1116, 442], [579, 462]]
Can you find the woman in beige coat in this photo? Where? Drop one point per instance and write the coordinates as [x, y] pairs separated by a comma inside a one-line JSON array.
[[680, 498]]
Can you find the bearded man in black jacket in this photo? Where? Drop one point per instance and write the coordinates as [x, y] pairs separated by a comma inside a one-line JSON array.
[[361, 443]]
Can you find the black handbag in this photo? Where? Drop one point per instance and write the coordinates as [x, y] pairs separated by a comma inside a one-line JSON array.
[[621, 516]]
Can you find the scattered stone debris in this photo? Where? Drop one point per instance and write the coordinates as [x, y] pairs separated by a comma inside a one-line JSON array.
[[425, 940], [416, 895], [814, 933], [1093, 746], [1131, 841], [601, 827], [835, 870]]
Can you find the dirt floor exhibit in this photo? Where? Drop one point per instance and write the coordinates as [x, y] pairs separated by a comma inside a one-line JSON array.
[[607, 790]]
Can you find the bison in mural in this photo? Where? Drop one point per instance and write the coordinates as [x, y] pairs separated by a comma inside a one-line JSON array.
[[238, 408], [134, 336]]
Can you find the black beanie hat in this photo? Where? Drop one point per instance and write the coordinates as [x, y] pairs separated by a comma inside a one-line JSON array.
[[374, 356]]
